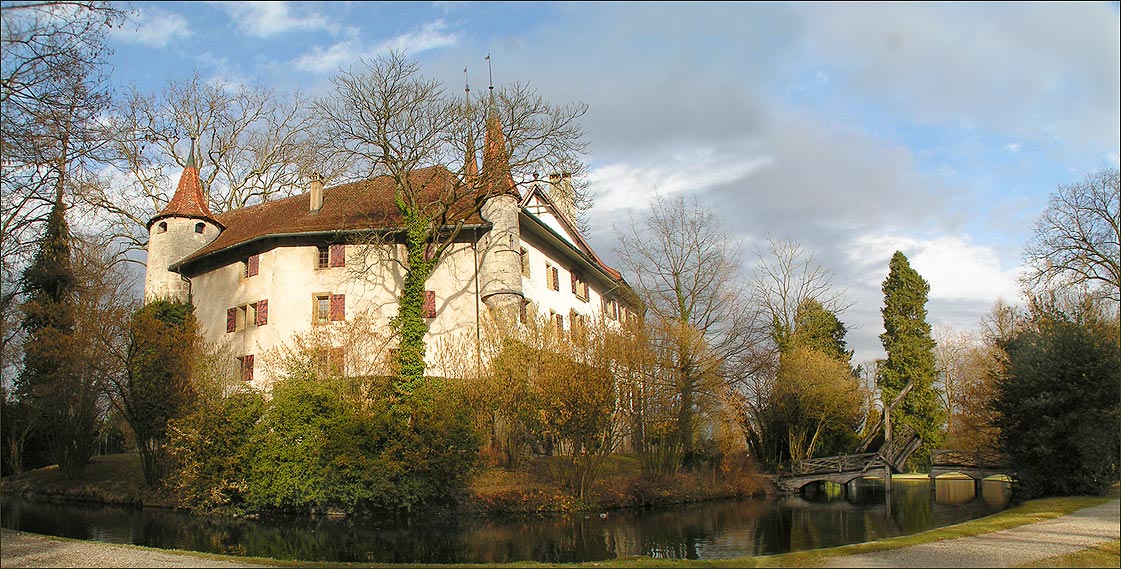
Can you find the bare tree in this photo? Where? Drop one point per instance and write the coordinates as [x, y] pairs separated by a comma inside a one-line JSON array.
[[1076, 240], [386, 119], [786, 275], [686, 271], [787, 278], [255, 145], [51, 97]]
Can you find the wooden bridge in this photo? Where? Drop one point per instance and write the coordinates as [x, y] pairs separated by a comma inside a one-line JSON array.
[[891, 457], [977, 465]]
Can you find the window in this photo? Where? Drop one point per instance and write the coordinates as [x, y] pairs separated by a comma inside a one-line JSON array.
[[610, 308], [337, 361], [246, 365], [429, 304], [251, 266], [247, 316], [328, 308], [525, 262], [322, 309], [552, 277], [577, 322], [559, 320], [330, 256], [162, 227], [200, 227], [579, 287]]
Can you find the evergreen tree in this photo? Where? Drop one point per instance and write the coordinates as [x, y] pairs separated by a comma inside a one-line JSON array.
[[1058, 402], [910, 357], [51, 382], [156, 386], [818, 328]]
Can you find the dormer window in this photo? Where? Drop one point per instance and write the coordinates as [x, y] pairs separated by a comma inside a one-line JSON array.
[[200, 227], [162, 227]]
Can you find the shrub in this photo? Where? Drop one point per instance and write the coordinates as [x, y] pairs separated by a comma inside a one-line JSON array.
[[210, 450]]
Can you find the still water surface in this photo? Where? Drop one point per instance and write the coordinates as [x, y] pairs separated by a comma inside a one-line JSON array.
[[823, 516]]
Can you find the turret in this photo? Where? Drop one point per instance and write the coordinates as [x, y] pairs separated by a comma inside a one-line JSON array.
[[500, 276], [181, 228]]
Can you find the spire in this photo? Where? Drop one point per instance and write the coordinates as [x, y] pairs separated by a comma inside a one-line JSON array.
[[188, 200], [496, 161], [191, 157], [471, 161]]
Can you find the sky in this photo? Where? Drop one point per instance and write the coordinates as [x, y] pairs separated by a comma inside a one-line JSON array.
[[938, 130]]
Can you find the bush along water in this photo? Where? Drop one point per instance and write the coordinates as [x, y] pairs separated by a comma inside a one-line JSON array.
[[326, 444]]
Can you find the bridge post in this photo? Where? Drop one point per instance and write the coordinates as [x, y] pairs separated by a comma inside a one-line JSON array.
[[887, 478]]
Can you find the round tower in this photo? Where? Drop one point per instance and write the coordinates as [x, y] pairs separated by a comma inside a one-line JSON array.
[[181, 228], [500, 273]]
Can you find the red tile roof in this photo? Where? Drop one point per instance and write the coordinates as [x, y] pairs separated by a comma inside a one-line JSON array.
[[363, 205], [188, 200]]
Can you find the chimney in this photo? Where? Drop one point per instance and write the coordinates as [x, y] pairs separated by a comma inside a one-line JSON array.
[[316, 192], [563, 195]]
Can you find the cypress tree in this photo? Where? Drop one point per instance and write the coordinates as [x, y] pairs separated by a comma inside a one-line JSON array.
[[51, 380], [910, 357]]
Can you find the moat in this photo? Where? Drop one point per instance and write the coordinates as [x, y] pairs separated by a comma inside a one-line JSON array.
[[823, 516]]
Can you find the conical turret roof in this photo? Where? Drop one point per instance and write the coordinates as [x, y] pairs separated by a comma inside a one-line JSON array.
[[188, 200], [496, 160]]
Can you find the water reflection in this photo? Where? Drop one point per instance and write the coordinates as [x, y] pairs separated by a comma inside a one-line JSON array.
[[823, 516]]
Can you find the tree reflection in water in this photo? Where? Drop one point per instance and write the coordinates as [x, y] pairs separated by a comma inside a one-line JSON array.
[[822, 516]]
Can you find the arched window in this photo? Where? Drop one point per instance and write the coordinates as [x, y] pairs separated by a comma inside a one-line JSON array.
[[200, 227], [162, 227]]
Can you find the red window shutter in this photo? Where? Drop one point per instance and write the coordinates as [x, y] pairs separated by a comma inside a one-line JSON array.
[[248, 365], [262, 312], [573, 275], [338, 255], [429, 251], [429, 304], [556, 279], [338, 307], [560, 324], [231, 320], [254, 265]]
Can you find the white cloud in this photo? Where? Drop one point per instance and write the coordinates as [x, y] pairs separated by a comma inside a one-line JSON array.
[[956, 268], [267, 19], [628, 185], [338, 55], [430, 36], [1013, 147], [329, 60], [154, 28]]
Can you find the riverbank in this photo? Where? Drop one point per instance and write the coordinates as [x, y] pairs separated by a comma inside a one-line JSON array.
[[536, 488], [1053, 532]]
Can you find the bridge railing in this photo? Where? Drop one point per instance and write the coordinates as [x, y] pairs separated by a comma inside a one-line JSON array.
[[826, 464], [968, 459]]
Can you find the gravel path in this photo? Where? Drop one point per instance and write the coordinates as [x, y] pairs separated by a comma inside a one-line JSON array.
[[19, 549], [1005, 548]]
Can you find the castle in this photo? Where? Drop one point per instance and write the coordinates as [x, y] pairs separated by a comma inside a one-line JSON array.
[[259, 275]]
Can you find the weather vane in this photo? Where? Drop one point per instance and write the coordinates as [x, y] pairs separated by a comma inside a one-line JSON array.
[[490, 74]]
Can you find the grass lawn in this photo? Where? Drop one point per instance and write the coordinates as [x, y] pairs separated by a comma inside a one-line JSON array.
[[1103, 555], [110, 479]]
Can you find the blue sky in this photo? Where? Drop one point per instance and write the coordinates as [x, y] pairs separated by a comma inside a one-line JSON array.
[[857, 129]]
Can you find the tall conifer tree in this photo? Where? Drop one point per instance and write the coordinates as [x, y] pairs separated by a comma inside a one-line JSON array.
[[52, 381], [910, 357]]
